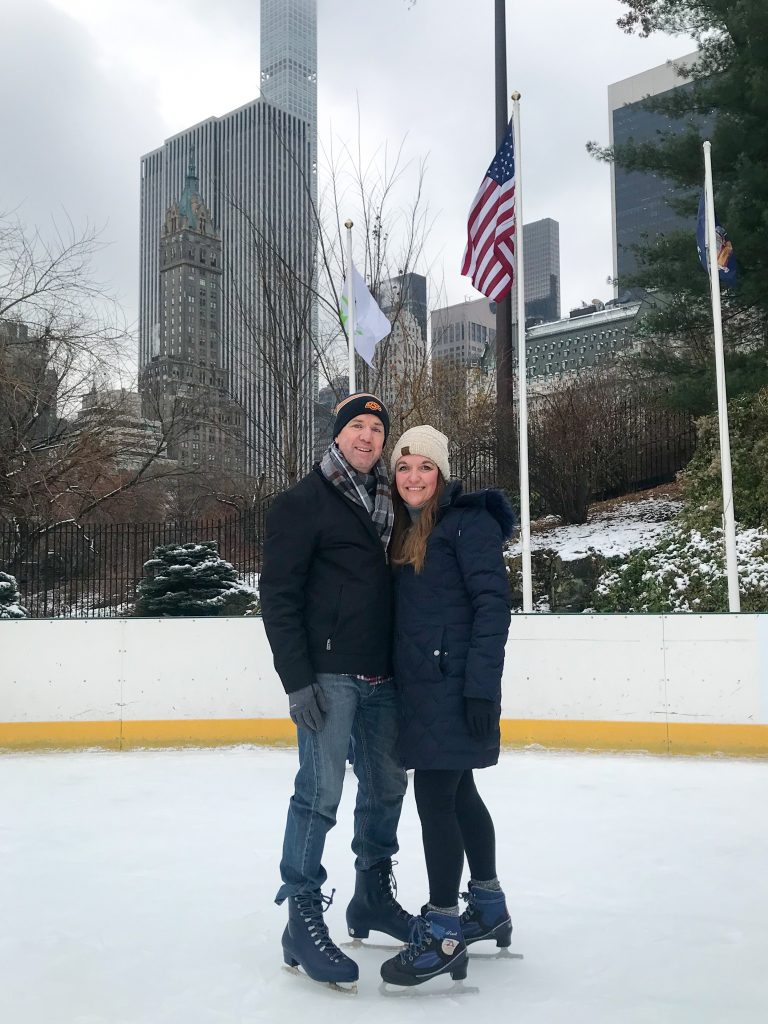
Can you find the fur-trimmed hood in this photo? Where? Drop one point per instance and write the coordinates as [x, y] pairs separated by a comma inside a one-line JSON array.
[[491, 499]]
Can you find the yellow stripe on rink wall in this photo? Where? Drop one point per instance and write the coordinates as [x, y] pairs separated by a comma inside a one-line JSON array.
[[126, 735], [212, 732], [59, 735], [657, 737]]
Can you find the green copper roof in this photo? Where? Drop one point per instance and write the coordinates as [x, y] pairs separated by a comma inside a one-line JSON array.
[[191, 190]]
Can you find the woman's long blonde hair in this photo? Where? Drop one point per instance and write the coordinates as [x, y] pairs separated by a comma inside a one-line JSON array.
[[409, 539]]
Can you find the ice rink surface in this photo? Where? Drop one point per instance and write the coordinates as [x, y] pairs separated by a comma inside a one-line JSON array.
[[137, 888]]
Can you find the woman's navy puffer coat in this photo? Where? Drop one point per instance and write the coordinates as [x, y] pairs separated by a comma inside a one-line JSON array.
[[451, 625]]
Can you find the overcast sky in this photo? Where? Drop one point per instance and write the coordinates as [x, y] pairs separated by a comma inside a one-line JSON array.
[[88, 86]]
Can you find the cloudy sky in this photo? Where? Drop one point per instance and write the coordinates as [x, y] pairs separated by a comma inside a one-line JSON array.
[[88, 86]]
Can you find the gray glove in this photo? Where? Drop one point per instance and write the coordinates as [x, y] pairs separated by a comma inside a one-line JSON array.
[[308, 707]]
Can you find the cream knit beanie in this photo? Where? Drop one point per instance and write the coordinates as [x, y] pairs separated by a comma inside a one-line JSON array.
[[426, 441]]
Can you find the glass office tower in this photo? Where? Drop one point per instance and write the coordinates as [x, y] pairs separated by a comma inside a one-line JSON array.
[[257, 174], [641, 201]]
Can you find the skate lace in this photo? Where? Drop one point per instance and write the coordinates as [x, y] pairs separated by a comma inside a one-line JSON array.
[[418, 940], [311, 907], [470, 901], [389, 887]]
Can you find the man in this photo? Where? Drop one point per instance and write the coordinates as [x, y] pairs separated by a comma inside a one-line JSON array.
[[327, 606]]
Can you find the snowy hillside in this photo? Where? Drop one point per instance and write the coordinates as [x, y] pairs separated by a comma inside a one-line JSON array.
[[681, 571], [615, 527]]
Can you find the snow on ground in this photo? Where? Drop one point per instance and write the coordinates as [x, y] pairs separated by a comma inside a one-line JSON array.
[[614, 529], [137, 888]]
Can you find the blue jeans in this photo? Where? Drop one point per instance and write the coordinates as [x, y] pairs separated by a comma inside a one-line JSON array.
[[369, 715]]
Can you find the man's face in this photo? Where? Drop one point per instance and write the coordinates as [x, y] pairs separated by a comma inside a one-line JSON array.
[[361, 442]]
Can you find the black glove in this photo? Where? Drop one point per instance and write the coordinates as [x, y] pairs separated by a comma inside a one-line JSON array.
[[308, 707], [482, 717]]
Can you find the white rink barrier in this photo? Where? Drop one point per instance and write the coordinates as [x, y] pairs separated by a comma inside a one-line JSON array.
[[672, 684]]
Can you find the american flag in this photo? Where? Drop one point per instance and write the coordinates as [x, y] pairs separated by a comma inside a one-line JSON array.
[[489, 259]]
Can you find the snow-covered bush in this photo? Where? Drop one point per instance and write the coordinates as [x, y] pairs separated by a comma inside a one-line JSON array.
[[10, 598], [685, 572], [194, 580]]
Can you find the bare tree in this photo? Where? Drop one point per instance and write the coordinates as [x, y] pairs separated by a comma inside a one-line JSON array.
[[61, 339], [577, 440], [292, 310]]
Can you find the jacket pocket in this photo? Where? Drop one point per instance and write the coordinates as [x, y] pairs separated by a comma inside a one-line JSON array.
[[421, 657], [439, 654], [334, 620], [444, 660]]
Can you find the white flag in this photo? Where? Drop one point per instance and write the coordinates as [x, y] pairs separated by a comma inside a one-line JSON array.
[[371, 325]]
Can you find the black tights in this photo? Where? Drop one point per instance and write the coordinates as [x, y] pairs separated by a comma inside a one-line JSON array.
[[454, 821]]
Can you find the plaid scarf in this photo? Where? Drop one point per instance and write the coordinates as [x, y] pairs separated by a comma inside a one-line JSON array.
[[338, 471]]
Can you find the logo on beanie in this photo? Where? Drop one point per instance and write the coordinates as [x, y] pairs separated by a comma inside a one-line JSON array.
[[405, 450], [373, 405]]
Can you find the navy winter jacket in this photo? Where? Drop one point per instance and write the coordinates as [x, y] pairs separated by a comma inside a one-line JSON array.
[[451, 625]]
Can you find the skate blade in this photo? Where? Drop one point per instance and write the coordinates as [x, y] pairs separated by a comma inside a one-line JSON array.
[[501, 954], [459, 988], [334, 986], [359, 944]]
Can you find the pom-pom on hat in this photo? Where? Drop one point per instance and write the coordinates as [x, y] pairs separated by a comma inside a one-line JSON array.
[[360, 404], [425, 441]]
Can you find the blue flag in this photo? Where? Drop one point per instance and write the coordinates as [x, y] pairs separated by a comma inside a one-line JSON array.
[[726, 261]]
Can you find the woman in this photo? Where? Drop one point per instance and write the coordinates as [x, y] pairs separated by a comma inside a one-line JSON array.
[[452, 619]]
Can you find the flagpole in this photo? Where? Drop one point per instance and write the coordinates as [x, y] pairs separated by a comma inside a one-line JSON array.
[[729, 522], [348, 224], [505, 389], [522, 377]]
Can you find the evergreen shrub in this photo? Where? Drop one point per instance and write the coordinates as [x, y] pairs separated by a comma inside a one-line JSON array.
[[192, 580], [10, 598], [748, 429]]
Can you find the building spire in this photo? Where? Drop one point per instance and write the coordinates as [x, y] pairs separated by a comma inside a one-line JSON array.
[[192, 166], [192, 211]]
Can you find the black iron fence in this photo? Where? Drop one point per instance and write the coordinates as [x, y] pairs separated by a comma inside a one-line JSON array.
[[474, 465], [91, 571], [657, 443]]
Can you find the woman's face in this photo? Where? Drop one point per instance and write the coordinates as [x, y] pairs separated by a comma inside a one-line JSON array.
[[416, 479]]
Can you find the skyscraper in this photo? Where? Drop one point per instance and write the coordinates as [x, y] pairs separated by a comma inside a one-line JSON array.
[[402, 355], [30, 382], [462, 332], [289, 59], [541, 240], [406, 292], [256, 170], [184, 383], [640, 201]]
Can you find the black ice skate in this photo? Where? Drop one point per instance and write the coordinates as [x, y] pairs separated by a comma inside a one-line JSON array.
[[374, 906], [307, 944], [436, 947]]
